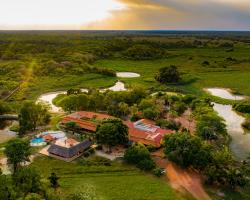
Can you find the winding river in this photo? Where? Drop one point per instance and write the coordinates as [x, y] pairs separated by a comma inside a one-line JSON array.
[[224, 93], [48, 97], [240, 144]]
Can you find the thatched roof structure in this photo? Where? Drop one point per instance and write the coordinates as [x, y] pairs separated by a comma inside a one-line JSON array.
[[69, 152]]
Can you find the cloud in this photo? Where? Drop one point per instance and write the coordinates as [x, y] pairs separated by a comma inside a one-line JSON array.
[[179, 14]]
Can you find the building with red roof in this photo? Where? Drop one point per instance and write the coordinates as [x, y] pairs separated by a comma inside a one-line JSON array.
[[85, 120], [146, 132]]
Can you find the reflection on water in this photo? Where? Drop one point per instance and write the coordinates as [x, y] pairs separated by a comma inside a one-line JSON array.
[[48, 97], [127, 74], [240, 144], [224, 93]]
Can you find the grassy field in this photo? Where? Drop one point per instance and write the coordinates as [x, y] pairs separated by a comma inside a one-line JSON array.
[[219, 73], [112, 182]]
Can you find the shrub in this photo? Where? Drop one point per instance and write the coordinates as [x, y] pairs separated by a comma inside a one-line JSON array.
[[243, 107], [139, 155], [246, 124], [146, 164], [158, 172]]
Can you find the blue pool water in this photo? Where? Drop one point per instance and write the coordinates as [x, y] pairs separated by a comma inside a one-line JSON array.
[[37, 140]]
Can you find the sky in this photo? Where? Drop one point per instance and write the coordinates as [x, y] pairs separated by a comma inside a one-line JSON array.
[[125, 14]]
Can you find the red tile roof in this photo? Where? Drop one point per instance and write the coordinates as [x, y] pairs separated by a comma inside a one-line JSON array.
[[147, 137], [79, 119], [89, 115]]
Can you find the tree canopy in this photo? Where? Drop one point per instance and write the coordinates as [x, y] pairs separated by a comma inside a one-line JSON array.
[[187, 150], [112, 132], [138, 154], [17, 151], [168, 75], [31, 115]]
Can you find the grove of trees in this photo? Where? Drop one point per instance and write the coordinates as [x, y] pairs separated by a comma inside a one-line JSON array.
[[31, 115]]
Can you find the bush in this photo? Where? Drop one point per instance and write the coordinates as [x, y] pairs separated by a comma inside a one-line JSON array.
[[158, 172], [246, 124], [139, 155], [243, 107], [146, 164]]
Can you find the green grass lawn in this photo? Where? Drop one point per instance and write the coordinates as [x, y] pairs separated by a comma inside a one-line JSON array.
[[116, 182]]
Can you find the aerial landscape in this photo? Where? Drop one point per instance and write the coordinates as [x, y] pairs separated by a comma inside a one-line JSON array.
[[122, 99]]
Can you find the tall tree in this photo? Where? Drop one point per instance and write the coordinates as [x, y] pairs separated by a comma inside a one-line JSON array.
[[112, 132], [31, 115], [168, 75], [138, 154], [17, 151]]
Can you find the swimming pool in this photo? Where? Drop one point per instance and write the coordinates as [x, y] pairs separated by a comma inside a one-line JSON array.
[[37, 140]]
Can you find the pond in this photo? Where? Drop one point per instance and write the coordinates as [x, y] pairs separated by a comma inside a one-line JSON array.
[[48, 97], [224, 93], [240, 144], [127, 75]]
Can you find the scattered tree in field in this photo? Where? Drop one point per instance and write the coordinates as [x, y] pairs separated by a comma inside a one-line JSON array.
[[31, 115], [17, 151], [112, 132], [139, 155], [54, 180], [168, 75]]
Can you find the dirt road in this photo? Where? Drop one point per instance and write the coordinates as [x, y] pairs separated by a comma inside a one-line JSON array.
[[183, 179]]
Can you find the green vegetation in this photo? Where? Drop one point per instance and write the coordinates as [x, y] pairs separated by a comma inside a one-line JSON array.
[[47, 61], [243, 107], [108, 181], [31, 115], [17, 151], [35, 63], [168, 75], [139, 155], [112, 132]]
